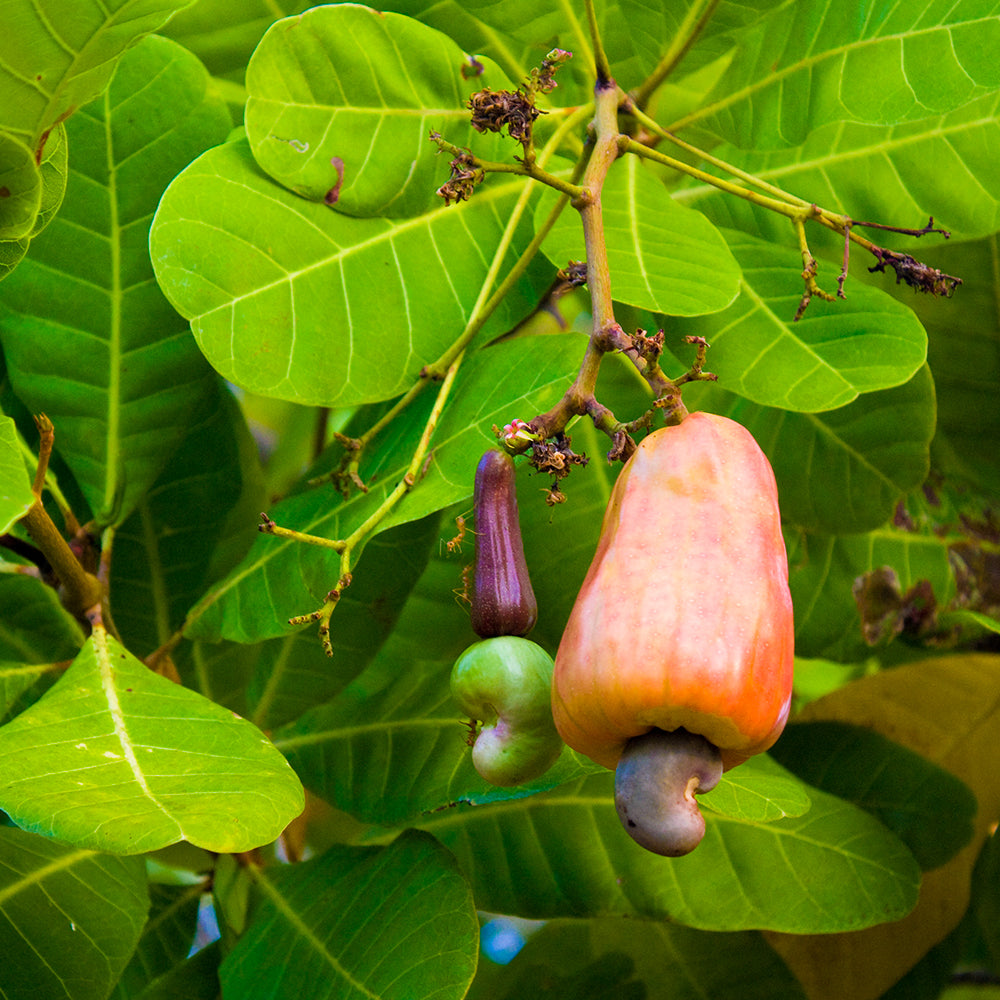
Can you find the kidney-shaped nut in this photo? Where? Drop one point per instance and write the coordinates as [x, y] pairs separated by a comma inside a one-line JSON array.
[[656, 780]]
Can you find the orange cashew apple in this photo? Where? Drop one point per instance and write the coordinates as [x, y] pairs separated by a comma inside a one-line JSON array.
[[683, 626]]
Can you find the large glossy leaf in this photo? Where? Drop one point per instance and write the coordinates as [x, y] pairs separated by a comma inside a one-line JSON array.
[[563, 853], [661, 256], [71, 918], [394, 922], [342, 100], [842, 471], [930, 810], [671, 962], [57, 56], [291, 299], [835, 352], [281, 578], [811, 64], [947, 709], [88, 337], [164, 558], [116, 758], [888, 174]]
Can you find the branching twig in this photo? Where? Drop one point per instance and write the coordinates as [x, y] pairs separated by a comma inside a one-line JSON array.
[[80, 590], [347, 546]]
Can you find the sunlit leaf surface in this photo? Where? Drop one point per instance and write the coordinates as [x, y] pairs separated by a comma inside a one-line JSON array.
[[119, 759], [810, 64], [661, 256], [342, 100]]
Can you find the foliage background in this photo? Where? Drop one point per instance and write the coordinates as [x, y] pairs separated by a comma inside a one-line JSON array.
[[199, 325]]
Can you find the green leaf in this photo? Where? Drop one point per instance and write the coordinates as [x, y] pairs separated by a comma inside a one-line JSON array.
[[673, 962], [342, 100], [661, 256], [116, 758], [88, 337], [281, 578], [71, 918], [811, 64], [163, 557], [15, 485], [609, 977], [635, 33], [844, 470], [760, 791], [50, 175], [20, 188], [59, 57], [293, 674], [389, 756], [35, 635], [927, 807], [835, 352], [563, 853], [394, 922], [473, 33], [888, 174], [166, 939], [964, 355], [986, 896], [290, 299], [194, 979], [224, 33], [823, 569]]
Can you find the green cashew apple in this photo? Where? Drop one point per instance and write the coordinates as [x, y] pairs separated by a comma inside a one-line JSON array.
[[505, 683]]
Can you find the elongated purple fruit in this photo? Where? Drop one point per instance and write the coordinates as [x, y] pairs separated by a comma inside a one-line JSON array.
[[503, 602]]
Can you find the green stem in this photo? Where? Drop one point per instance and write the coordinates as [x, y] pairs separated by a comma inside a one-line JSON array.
[[606, 335], [532, 170], [694, 23], [486, 304], [780, 206], [414, 472], [655, 128], [768, 196], [80, 590], [602, 67]]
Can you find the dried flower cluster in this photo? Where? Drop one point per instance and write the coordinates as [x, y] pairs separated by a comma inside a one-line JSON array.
[[915, 274]]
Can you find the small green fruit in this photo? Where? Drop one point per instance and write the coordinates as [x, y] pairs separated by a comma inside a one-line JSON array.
[[505, 683]]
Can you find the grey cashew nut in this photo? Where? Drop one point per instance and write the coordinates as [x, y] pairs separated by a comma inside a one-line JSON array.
[[656, 780]]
